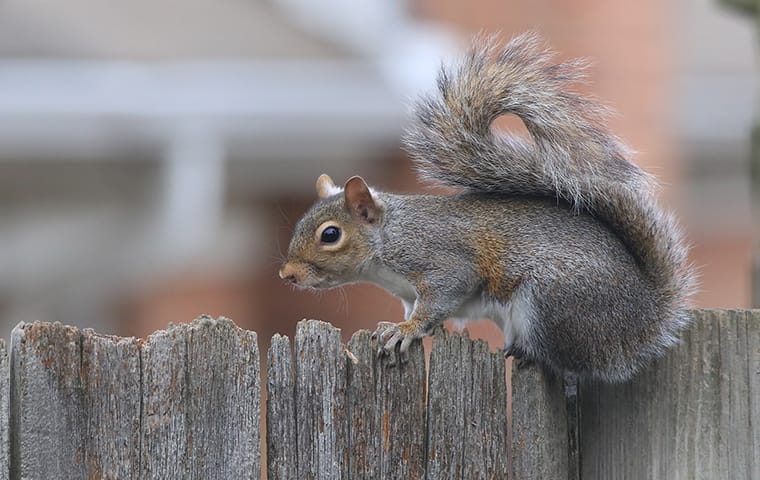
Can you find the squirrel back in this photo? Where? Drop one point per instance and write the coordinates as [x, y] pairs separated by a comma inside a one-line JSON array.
[[571, 156]]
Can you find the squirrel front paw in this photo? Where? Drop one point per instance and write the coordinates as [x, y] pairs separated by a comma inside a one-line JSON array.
[[389, 334]]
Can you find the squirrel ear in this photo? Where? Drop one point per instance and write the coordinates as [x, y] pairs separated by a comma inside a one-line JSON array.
[[359, 200], [326, 187]]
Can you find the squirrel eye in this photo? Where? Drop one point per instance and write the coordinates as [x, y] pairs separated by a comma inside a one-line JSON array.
[[330, 235]]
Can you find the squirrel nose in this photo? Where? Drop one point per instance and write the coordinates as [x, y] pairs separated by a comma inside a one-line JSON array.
[[288, 272]]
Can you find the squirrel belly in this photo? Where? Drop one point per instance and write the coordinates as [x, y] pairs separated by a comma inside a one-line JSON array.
[[558, 238], [513, 316]]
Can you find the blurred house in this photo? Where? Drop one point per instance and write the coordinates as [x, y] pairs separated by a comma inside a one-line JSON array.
[[155, 155]]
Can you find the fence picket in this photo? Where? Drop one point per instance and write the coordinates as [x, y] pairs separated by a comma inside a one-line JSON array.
[[281, 411], [467, 410], [390, 399]]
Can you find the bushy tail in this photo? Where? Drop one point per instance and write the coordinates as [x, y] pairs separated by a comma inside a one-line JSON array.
[[571, 155]]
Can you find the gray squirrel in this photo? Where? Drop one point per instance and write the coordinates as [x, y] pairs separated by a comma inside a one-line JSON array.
[[557, 238]]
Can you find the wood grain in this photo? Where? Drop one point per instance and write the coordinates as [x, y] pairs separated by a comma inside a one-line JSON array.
[[691, 415], [183, 404], [467, 410], [320, 398], [224, 401], [110, 370], [539, 425], [201, 402], [281, 411], [75, 404], [387, 412]]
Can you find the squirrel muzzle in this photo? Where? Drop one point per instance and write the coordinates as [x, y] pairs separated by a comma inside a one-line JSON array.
[[289, 273]]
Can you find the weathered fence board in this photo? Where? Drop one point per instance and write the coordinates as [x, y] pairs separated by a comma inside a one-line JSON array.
[[110, 370], [44, 402], [223, 401], [695, 414], [753, 378], [281, 412], [467, 410], [164, 430], [539, 425], [201, 409], [387, 412], [71, 417], [321, 413], [233, 411]]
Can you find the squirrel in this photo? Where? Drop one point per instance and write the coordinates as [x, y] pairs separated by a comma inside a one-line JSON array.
[[557, 238]]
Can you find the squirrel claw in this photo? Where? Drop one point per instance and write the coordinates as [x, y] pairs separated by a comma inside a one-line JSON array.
[[388, 335], [403, 355]]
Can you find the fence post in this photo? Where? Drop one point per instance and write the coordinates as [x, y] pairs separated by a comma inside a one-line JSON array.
[[691, 415]]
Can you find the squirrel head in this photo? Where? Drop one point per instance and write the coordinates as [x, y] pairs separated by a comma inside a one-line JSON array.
[[335, 238]]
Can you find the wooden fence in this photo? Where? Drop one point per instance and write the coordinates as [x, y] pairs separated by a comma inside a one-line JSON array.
[[186, 404]]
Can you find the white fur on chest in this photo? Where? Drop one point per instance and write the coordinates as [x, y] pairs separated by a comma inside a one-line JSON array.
[[395, 284]]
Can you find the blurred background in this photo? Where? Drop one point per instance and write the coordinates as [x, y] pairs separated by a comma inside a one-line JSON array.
[[155, 155]]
